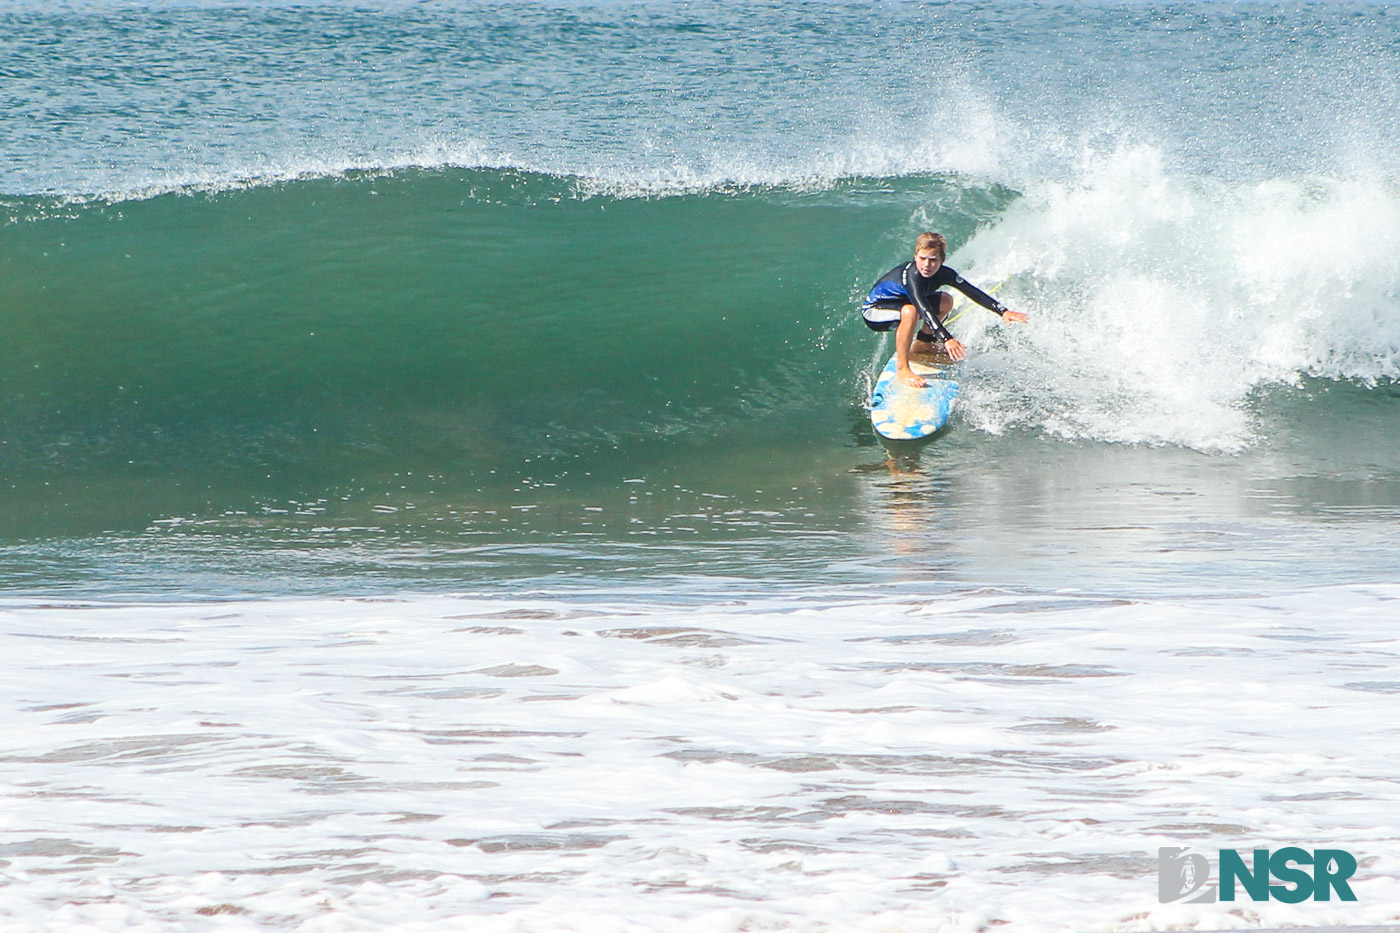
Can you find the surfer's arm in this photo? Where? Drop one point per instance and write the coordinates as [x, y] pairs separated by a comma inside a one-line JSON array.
[[977, 295], [934, 324], [985, 300]]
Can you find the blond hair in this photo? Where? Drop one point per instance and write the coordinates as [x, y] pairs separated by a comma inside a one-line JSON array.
[[932, 241]]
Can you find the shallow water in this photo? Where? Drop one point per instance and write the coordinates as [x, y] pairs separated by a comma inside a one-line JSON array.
[[834, 759]]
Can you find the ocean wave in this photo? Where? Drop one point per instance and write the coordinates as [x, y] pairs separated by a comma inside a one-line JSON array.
[[1163, 303], [455, 313], [470, 314]]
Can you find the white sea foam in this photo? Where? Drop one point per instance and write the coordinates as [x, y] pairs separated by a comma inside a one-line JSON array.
[[1162, 301], [828, 763]]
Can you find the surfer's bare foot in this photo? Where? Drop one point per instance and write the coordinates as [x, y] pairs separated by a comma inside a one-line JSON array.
[[911, 378]]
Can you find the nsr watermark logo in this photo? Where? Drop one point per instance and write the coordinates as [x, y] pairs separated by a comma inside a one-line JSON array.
[[1183, 876]]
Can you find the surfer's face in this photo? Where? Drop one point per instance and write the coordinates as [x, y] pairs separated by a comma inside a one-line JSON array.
[[927, 262]]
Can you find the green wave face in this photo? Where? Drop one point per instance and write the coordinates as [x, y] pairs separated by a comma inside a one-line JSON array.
[[454, 322]]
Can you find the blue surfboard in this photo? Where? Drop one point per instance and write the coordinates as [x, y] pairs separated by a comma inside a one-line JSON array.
[[904, 413]]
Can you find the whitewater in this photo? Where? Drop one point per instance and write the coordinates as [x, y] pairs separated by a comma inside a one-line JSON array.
[[824, 761], [438, 494]]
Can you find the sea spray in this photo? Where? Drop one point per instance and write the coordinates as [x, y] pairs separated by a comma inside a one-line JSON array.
[[1163, 302]]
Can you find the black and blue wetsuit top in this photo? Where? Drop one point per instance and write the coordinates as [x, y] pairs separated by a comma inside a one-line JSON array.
[[904, 285]]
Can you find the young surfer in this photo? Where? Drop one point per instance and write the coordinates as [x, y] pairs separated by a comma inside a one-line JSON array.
[[909, 293]]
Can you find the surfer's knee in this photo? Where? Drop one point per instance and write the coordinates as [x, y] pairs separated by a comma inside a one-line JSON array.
[[945, 304]]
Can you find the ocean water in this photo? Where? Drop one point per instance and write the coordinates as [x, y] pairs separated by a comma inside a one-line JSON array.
[[437, 492]]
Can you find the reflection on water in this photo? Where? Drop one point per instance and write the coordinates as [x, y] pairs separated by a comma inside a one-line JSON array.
[[967, 509], [1039, 513]]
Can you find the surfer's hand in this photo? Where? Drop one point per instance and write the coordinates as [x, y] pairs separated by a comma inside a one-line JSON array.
[[955, 349], [1020, 317], [911, 378]]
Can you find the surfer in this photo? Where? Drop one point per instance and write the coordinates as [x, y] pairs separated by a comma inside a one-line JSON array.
[[909, 294]]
